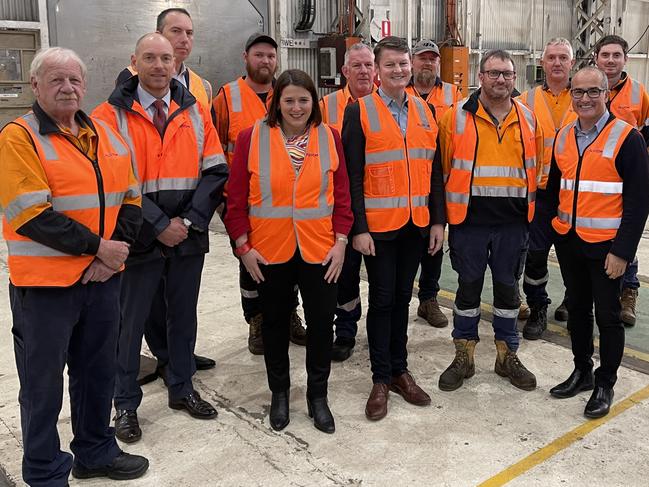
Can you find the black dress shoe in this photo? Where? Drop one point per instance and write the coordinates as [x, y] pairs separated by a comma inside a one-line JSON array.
[[599, 403], [279, 417], [342, 349], [204, 363], [195, 406], [321, 414], [573, 385], [127, 427], [124, 467], [161, 370]]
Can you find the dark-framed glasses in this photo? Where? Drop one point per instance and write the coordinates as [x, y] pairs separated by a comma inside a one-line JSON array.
[[578, 93], [495, 74]]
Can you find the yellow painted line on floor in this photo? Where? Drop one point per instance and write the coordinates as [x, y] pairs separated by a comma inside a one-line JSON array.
[[548, 451]]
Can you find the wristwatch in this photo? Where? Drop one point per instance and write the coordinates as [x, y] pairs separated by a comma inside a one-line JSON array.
[[342, 239], [187, 222]]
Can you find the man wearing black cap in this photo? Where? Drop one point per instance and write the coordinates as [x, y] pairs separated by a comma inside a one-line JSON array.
[[237, 106]]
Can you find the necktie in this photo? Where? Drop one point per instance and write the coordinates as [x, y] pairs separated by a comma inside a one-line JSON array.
[[159, 117]]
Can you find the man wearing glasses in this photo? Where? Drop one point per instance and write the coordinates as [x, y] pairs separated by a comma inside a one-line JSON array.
[[491, 148], [598, 188]]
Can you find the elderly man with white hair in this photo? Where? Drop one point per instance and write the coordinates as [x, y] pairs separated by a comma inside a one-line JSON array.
[[72, 207]]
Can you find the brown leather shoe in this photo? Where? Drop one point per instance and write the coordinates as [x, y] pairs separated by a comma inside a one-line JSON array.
[[406, 387], [377, 404]]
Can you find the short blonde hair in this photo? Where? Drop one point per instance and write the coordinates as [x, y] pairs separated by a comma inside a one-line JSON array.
[[55, 55], [559, 41]]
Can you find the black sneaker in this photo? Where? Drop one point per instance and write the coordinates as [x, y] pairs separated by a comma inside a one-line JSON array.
[[124, 467], [537, 323]]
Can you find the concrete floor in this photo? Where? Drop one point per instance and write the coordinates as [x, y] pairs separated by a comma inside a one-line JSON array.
[[486, 433]]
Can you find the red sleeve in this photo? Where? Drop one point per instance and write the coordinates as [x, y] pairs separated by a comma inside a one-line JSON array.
[[236, 219], [342, 218]]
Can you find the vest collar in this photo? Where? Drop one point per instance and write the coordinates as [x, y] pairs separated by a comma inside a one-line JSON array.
[[125, 94], [47, 126]]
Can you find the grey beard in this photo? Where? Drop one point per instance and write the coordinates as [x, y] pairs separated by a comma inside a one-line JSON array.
[[425, 78]]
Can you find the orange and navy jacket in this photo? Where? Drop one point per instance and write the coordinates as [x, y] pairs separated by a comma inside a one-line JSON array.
[[443, 96], [60, 200], [629, 101], [181, 173]]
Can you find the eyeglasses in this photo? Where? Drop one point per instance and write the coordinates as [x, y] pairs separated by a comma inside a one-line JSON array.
[[495, 74], [578, 93]]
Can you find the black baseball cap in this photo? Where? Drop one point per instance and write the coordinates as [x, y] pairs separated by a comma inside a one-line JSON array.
[[258, 37]]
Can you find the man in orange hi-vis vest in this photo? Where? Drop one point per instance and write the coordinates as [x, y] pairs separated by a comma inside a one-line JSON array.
[[629, 101], [598, 192], [492, 150], [72, 208]]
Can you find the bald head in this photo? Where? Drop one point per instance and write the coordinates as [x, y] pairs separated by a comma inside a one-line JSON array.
[[153, 61], [152, 38], [594, 73]]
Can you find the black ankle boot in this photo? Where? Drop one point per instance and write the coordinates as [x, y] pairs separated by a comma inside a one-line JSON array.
[[321, 414], [279, 411]]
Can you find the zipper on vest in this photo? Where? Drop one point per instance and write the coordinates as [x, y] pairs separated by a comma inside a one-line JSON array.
[[100, 187]]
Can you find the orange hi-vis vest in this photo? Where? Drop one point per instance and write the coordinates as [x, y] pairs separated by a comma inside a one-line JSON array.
[[442, 97], [200, 88], [398, 168], [90, 193], [467, 177], [244, 109], [333, 107], [590, 198], [538, 103], [626, 104], [288, 210]]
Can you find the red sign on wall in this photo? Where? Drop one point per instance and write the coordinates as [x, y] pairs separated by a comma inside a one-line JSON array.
[[385, 28]]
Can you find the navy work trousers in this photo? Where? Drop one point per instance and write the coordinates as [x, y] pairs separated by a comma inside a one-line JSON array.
[[52, 327], [348, 307]]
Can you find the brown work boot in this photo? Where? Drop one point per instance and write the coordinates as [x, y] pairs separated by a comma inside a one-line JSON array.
[[298, 332], [429, 310], [628, 299], [509, 365], [377, 404], [524, 312], [255, 341], [406, 387], [462, 366]]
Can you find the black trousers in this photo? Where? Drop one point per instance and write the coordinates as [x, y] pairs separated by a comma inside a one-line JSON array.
[[277, 299], [431, 271], [582, 267], [348, 308], [52, 327], [391, 275], [180, 277]]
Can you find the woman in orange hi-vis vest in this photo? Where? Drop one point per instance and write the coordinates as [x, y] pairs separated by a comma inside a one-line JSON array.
[[289, 215]]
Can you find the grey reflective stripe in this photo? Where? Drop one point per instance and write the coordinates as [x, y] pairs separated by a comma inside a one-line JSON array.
[[325, 167], [531, 196], [122, 128], [421, 154], [384, 156], [499, 172], [567, 184], [613, 138], [214, 160], [448, 93], [537, 282], [460, 118], [249, 294], [468, 313], [230, 147], [86, 201], [462, 164], [372, 113], [421, 111], [419, 201], [169, 184], [561, 139], [530, 163], [118, 146], [563, 216], [26, 200], [548, 141], [635, 92], [457, 197], [499, 191], [133, 191], [528, 115], [264, 165], [235, 96], [506, 313], [290, 212], [599, 223], [604, 187], [199, 130], [546, 169], [208, 89], [531, 97], [387, 202], [32, 249], [350, 305], [44, 140], [332, 108], [646, 122]]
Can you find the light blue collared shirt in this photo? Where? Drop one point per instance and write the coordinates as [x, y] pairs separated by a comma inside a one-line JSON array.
[[399, 113], [584, 138], [147, 99], [181, 76]]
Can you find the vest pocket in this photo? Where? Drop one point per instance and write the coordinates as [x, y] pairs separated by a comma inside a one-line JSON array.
[[381, 181]]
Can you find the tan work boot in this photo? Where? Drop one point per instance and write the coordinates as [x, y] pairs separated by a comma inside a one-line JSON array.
[[462, 366], [628, 299], [524, 312], [429, 310], [255, 341], [509, 365], [298, 332]]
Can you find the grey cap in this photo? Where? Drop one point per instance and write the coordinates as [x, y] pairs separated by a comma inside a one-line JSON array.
[[259, 37], [425, 45]]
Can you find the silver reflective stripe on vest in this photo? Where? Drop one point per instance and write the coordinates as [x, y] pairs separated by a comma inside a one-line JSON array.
[[567, 184], [332, 108], [447, 88], [457, 197], [208, 89], [133, 191], [546, 169], [561, 140], [118, 146], [467, 313], [530, 163], [531, 97], [169, 184], [597, 223], [635, 92], [230, 147], [86, 201], [563, 216], [372, 113], [199, 131], [44, 140], [421, 111], [529, 116], [122, 128], [32, 249], [603, 187], [462, 164], [384, 156], [235, 95], [499, 191], [613, 138], [499, 172], [548, 141], [460, 118], [419, 201], [212, 161], [325, 167], [387, 202], [26, 200], [506, 313], [428, 154]]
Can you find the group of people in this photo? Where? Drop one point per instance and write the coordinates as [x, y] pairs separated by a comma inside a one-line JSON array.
[[106, 221]]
